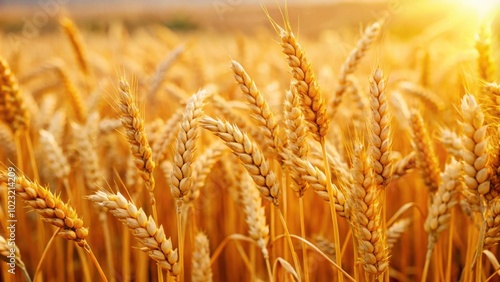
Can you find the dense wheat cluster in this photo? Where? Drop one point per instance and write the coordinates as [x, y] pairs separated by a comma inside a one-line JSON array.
[[145, 153]]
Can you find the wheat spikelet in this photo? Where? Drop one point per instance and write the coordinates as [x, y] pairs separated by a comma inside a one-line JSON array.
[[255, 214], [153, 132], [474, 151], [492, 233], [338, 167], [159, 76], [13, 110], [261, 112], [107, 126], [202, 272], [492, 103], [486, 67], [7, 141], [52, 209], [306, 84], [250, 155], [429, 98], [180, 181], [325, 246], [6, 248], [202, 167], [443, 201], [89, 159], [57, 126], [166, 137], [133, 124], [54, 157], [76, 40], [366, 216], [452, 142], [144, 229], [223, 106], [352, 61], [404, 165], [380, 130], [75, 99], [296, 132], [427, 161], [395, 231], [317, 181], [47, 108]]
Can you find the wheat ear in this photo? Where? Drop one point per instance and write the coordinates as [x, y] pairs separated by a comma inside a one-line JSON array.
[[250, 155], [180, 181], [89, 159], [486, 67], [52, 209], [296, 142], [452, 143], [404, 165], [261, 111], [13, 110], [492, 233], [7, 248], [76, 40], [445, 198], [395, 231], [75, 98], [366, 216], [305, 81], [317, 180], [166, 137], [144, 229], [55, 159], [201, 270], [380, 130], [202, 167], [427, 161], [349, 66], [133, 123], [475, 144]]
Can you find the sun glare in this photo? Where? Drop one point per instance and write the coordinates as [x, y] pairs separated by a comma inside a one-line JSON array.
[[483, 7]]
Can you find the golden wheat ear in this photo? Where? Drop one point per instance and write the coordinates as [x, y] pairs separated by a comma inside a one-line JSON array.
[[50, 207]]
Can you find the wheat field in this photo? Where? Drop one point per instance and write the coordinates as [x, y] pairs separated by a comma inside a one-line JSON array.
[[282, 151]]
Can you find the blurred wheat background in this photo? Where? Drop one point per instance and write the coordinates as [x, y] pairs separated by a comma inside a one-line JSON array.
[[247, 141]]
